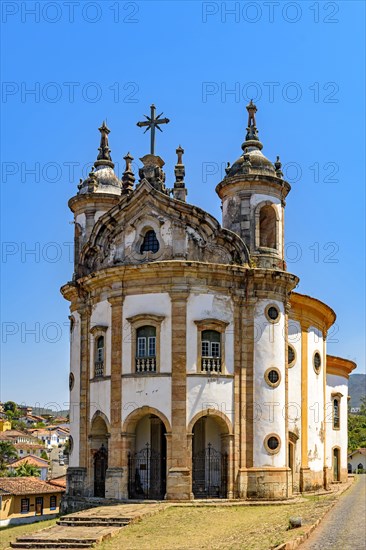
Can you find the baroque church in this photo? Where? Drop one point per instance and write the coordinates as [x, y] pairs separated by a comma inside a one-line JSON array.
[[196, 369]]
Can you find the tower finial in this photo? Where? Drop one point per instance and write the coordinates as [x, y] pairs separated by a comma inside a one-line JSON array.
[[104, 156], [128, 178], [179, 190], [251, 138]]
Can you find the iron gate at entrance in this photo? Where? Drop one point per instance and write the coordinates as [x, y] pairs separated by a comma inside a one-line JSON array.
[[209, 473], [100, 468], [146, 474]]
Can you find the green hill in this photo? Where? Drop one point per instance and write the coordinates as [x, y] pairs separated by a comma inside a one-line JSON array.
[[356, 389]]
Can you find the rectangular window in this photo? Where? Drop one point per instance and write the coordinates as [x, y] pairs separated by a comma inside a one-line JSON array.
[[215, 349], [141, 347], [336, 419], [205, 349], [100, 353], [24, 505], [152, 346], [53, 503]]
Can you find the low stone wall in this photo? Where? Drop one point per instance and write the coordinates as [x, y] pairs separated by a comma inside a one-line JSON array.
[[264, 483]]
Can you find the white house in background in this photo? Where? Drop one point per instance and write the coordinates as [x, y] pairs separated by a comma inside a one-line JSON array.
[[357, 460], [51, 438]]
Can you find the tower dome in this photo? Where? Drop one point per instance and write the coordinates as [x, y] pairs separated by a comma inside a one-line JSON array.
[[102, 178]]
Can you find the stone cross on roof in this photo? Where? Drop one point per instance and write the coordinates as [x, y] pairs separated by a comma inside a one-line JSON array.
[[153, 122]]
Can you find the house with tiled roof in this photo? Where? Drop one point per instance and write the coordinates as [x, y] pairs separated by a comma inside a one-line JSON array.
[[59, 481], [32, 460], [28, 499], [357, 461]]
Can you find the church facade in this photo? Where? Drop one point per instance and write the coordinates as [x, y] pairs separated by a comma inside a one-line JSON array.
[[196, 369]]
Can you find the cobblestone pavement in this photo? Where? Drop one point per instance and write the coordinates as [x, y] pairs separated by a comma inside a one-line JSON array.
[[344, 527]]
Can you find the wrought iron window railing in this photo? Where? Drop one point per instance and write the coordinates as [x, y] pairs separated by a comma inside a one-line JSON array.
[[211, 364], [145, 364], [98, 369]]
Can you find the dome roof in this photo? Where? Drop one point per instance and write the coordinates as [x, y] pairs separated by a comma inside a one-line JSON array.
[[102, 178], [253, 162]]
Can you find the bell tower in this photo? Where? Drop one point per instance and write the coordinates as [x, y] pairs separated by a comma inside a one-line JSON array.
[[253, 194]]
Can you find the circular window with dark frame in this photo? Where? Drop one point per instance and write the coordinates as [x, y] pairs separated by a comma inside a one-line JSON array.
[[272, 313], [291, 356], [71, 381], [272, 444], [273, 377], [317, 362]]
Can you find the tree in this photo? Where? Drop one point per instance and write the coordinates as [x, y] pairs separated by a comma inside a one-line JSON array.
[[27, 470], [44, 455], [10, 406], [7, 453], [357, 428]]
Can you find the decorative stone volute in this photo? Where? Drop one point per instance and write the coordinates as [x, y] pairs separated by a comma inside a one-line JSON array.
[[153, 172]]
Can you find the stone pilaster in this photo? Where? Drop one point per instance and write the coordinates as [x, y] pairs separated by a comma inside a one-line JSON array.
[[115, 472], [305, 483], [179, 479], [84, 385]]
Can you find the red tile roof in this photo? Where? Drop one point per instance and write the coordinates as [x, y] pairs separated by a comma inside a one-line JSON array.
[[362, 451], [58, 481], [31, 446], [30, 459], [27, 486]]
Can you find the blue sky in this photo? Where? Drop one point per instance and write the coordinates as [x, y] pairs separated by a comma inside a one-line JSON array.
[[69, 65]]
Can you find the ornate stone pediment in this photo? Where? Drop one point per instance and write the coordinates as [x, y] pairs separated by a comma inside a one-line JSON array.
[[181, 232]]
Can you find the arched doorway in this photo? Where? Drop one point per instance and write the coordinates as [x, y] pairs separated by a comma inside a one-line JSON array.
[[336, 464], [209, 460], [147, 461], [99, 451]]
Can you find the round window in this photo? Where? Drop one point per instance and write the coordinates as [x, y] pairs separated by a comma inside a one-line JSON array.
[[317, 362], [272, 444], [291, 356], [272, 313], [273, 377]]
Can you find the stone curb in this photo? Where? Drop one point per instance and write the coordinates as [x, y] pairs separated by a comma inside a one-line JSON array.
[[295, 543]]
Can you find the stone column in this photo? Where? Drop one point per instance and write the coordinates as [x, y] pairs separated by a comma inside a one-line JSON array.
[[77, 478], [179, 479], [115, 488]]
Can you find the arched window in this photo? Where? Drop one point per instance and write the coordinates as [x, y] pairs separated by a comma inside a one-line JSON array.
[[150, 242], [211, 351], [146, 349], [99, 357], [267, 227], [360, 466], [336, 417]]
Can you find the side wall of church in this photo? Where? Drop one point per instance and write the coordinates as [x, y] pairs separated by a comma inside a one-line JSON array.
[[316, 428], [269, 352], [337, 438], [294, 395]]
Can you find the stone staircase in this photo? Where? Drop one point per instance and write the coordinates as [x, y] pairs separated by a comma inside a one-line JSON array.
[[87, 528]]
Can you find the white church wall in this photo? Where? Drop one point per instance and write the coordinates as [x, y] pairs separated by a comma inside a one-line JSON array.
[[339, 438], [81, 220], [294, 388], [210, 393], [209, 306], [75, 392], [101, 315], [152, 391], [212, 434], [100, 398], [143, 434], [316, 425], [269, 352], [156, 304]]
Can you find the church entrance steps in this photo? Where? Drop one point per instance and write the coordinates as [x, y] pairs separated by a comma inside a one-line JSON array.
[[89, 527]]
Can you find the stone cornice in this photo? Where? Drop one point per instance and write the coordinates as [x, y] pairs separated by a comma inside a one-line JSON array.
[[340, 366], [311, 312], [252, 182]]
